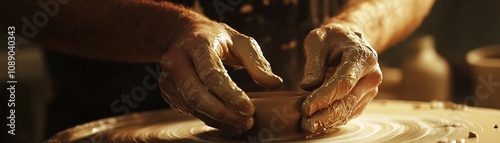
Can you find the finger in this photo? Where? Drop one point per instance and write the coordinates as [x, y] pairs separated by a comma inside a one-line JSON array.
[[247, 50], [213, 74], [368, 87], [199, 102], [332, 116], [345, 78], [337, 114], [342, 111], [316, 56], [169, 91], [362, 104], [368, 83]]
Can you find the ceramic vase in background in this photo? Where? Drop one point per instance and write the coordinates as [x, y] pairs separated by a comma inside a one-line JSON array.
[[426, 75]]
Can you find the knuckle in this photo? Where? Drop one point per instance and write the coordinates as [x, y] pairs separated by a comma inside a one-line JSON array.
[[371, 55], [199, 47], [168, 69], [378, 75], [364, 54], [315, 35], [213, 76], [244, 41], [346, 78], [166, 63], [195, 42], [375, 75], [349, 101]]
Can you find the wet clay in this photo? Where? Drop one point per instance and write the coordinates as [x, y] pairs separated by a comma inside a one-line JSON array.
[[277, 114], [392, 121], [472, 135]]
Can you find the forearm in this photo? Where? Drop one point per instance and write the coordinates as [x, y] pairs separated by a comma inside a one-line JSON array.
[[384, 22], [123, 30]]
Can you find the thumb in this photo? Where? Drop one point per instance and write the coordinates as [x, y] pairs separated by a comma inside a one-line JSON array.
[[248, 52], [316, 56]]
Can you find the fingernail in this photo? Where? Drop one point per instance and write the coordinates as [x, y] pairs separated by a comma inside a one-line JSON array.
[[308, 108], [249, 124], [245, 108], [313, 108], [308, 126]]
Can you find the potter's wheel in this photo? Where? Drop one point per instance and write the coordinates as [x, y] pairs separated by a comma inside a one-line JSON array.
[[382, 121]]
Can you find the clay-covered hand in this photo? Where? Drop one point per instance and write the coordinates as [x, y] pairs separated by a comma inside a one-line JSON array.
[[343, 72], [195, 82]]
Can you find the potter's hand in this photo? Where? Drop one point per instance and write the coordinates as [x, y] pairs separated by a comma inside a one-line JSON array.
[[195, 82], [343, 70]]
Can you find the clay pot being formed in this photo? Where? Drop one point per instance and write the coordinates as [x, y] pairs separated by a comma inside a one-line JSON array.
[[277, 115]]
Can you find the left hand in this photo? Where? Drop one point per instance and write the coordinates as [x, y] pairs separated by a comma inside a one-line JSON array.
[[195, 82], [343, 70]]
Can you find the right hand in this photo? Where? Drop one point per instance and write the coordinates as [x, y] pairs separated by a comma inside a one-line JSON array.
[[195, 82], [342, 70]]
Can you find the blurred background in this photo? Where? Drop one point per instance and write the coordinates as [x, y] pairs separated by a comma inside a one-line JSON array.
[[428, 65]]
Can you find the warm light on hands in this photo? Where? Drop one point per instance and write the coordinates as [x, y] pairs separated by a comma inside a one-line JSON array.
[[194, 80], [343, 72]]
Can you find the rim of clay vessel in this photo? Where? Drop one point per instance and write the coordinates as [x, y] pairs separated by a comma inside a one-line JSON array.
[[488, 56], [275, 94]]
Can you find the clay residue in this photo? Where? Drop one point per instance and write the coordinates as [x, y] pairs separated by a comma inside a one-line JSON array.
[[448, 105], [452, 125], [472, 135]]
